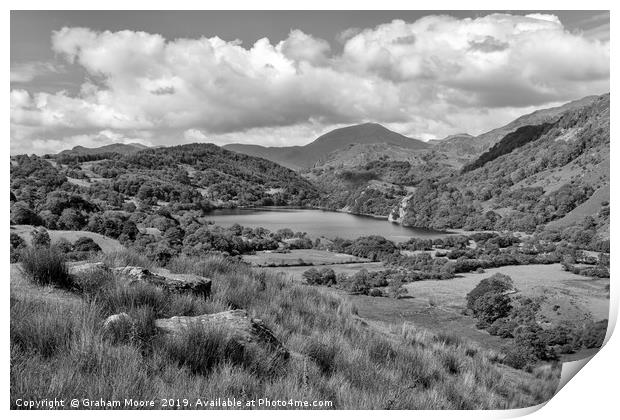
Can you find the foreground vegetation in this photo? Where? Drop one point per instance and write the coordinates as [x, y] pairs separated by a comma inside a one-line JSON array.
[[58, 348]]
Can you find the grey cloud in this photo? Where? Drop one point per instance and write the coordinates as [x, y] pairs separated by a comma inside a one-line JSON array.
[[488, 45], [168, 90]]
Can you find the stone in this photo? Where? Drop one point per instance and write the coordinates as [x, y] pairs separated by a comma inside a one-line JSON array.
[[85, 268], [177, 283], [243, 329], [118, 326]]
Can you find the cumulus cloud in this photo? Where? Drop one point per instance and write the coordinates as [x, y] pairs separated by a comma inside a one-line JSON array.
[[437, 75]]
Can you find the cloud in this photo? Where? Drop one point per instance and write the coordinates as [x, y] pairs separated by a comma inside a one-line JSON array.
[[28, 71], [300, 46], [438, 74]]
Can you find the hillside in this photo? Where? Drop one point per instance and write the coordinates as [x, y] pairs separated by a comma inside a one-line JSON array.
[[298, 157], [530, 178], [119, 148], [466, 145], [372, 179], [360, 154], [153, 199]]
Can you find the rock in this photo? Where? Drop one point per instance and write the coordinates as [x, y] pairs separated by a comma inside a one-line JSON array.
[[178, 283], [85, 268], [245, 330], [118, 326]]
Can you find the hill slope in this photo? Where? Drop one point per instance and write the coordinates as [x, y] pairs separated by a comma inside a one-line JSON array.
[[119, 148], [543, 179], [471, 146], [297, 157], [67, 191]]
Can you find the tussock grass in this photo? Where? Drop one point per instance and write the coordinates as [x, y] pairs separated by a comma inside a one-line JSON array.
[[125, 258], [60, 351], [46, 266]]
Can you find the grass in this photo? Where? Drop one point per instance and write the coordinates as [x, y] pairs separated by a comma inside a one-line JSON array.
[[303, 257], [59, 349], [46, 266]]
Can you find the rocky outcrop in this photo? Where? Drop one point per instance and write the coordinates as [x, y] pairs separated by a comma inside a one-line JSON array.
[[177, 283], [86, 268], [243, 329]]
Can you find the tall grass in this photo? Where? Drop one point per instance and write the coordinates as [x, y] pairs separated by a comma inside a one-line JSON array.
[[339, 359], [46, 266]]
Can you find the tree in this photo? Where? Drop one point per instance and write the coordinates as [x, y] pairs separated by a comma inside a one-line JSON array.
[[70, 219], [21, 214], [395, 288]]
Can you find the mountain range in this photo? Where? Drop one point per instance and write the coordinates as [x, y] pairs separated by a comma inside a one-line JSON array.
[[546, 168], [300, 157], [120, 148]]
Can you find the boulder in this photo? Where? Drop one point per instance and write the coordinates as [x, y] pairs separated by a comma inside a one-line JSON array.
[[243, 329], [178, 283], [118, 326], [85, 268]]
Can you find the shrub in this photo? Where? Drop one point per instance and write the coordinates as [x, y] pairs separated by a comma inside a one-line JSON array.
[[40, 238], [46, 266], [312, 276], [594, 334], [85, 244], [17, 245]]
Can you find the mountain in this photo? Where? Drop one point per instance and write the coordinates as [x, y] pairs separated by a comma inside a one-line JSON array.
[[119, 148], [469, 146], [360, 154], [554, 173], [298, 157]]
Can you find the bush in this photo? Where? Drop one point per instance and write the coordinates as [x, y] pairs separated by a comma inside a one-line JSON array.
[[17, 245], [46, 266], [594, 334], [40, 238], [85, 244]]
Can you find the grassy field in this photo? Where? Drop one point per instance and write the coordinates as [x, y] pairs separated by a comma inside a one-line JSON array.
[[58, 349], [295, 273], [581, 293], [107, 245], [297, 256]]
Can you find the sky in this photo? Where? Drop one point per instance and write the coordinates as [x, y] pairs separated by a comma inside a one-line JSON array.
[[281, 78]]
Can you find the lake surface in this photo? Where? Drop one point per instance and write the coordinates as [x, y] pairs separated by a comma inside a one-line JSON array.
[[319, 223]]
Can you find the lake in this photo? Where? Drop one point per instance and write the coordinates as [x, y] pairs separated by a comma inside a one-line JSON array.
[[319, 223]]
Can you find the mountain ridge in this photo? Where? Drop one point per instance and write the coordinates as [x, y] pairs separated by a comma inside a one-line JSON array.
[[299, 157]]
